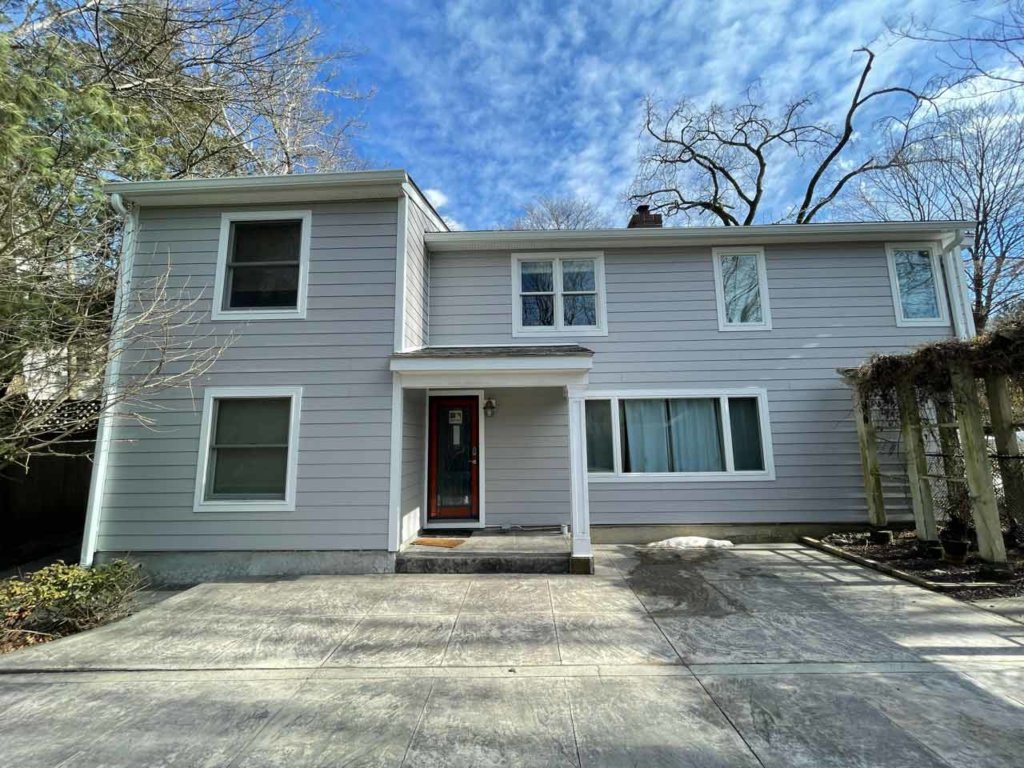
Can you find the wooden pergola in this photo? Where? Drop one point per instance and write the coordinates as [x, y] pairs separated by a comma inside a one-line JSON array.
[[953, 382]]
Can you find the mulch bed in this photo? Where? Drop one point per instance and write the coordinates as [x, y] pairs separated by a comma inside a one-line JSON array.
[[903, 554]]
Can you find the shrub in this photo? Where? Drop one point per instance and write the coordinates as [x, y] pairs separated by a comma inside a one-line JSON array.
[[62, 599]]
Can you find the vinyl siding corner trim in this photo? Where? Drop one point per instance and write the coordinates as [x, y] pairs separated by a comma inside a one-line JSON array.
[[287, 504]]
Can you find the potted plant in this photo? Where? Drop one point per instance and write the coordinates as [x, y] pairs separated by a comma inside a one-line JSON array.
[[955, 536]]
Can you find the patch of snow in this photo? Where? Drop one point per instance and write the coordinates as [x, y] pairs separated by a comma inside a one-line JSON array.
[[689, 542]]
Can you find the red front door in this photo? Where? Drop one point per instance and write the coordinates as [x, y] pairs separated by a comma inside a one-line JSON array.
[[453, 466]]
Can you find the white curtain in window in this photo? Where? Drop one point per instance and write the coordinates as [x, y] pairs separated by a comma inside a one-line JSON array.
[[696, 438], [646, 428]]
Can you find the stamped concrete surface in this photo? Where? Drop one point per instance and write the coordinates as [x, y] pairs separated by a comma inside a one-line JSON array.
[[771, 655]]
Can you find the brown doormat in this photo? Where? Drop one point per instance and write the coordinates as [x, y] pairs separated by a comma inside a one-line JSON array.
[[437, 542]]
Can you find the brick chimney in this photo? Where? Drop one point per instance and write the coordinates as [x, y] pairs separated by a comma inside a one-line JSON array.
[[644, 218]]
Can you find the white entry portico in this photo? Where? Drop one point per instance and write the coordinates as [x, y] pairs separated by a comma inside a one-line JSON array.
[[521, 409]]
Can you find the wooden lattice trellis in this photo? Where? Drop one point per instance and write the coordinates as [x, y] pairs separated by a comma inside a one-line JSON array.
[[947, 399]]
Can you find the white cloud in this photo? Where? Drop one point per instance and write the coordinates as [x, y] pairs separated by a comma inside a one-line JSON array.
[[498, 104], [437, 198], [453, 224]]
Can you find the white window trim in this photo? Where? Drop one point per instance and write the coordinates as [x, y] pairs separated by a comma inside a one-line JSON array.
[[287, 504], [938, 279], [762, 281], [559, 329], [220, 281], [729, 475]]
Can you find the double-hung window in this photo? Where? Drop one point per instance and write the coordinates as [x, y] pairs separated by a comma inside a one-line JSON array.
[[262, 265], [741, 289], [558, 293], [915, 277], [679, 436], [248, 449]]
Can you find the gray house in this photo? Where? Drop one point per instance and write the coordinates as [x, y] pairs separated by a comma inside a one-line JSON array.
[[387, 376]]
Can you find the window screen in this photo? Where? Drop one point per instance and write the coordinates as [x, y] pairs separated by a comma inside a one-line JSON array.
[[249, 448], [263, 265]]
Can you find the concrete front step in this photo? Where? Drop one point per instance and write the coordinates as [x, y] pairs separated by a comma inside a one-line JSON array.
[[480, 562]]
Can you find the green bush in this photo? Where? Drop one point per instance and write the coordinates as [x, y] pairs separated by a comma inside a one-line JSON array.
[[63, 599]]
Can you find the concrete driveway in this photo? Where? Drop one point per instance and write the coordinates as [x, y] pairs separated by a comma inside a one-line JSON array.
[[759, 656]]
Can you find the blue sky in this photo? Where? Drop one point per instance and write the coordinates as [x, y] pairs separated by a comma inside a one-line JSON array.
[[489, 104]]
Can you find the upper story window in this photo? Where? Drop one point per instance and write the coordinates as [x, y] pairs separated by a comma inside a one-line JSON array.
[[248, 451], [741, 289], [559, 293], [262, 265], [915, 277], [679, 436]]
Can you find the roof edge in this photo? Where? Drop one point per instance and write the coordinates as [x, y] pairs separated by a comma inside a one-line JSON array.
[[263, 189], [674, 236]]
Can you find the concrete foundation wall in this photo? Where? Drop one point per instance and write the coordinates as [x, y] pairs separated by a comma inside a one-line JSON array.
[[186, 568]]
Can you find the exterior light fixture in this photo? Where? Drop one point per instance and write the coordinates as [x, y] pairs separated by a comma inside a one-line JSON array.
[[490, 406]]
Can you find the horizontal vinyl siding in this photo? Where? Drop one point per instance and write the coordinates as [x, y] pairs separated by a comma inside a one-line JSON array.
[[526, 458], [831, 307], [338, 354]]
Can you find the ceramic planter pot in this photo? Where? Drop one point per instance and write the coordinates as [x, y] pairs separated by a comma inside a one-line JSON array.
[[880, 536], [955, 551]]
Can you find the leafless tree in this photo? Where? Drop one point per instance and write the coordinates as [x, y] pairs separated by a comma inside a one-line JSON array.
[[712, 164], [93, 90], [995, 52], [250, 87], [559, 213], [61, 334], [970, 168]]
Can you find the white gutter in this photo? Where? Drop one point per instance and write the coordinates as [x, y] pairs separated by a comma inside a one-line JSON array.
[[764, 234], [97, 486], [236, 190]]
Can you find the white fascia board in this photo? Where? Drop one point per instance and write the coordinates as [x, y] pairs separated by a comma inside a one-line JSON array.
[[491, 364], [438, 380], [765, 234], [412, 191], [239, 190]]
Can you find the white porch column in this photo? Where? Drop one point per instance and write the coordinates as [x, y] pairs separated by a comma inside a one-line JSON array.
[[582, 559], [395, 469]]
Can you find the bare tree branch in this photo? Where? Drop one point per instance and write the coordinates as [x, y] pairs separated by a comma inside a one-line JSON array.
[[559, 213], [714, 163], [970, 168]]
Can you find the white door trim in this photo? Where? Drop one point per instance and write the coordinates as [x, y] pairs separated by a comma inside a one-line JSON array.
[[482, 466]]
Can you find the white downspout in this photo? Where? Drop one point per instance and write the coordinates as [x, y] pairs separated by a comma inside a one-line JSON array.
[[956, 286], [97, 486]]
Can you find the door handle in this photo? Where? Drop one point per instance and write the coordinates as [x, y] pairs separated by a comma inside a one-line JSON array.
[[472, 461]]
